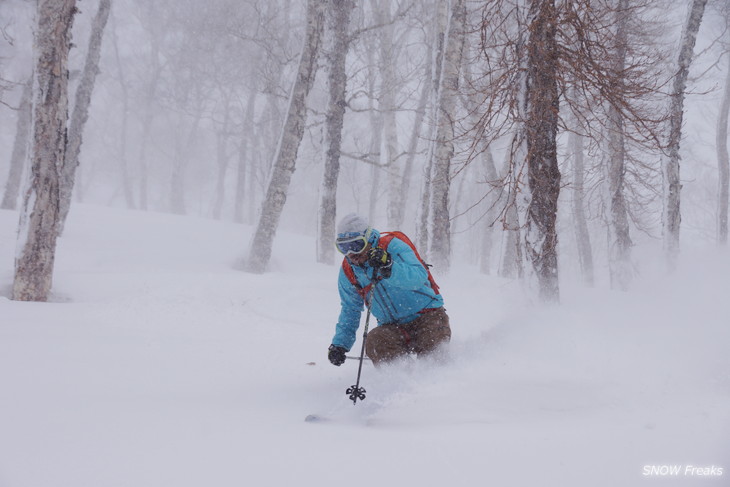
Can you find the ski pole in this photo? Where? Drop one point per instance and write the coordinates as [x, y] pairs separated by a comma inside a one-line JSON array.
[[356, 392]]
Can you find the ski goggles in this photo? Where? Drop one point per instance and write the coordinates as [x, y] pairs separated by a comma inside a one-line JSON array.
[[352, 243]]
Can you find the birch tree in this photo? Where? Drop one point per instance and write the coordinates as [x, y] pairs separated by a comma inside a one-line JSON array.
[[723, 163], [440, 22], [20, 149], [443, 152], [582, 236], [670, 164], [81, 111], [387, 105], [338, 13], [291, 136], [619, 241], [39, 218]]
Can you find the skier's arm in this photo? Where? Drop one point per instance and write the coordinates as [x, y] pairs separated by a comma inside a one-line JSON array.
[[351, 309]]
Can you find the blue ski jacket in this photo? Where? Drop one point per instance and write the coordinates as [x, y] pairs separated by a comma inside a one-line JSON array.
[[398, 299]]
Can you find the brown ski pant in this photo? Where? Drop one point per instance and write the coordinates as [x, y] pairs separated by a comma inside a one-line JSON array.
[[421, 336]]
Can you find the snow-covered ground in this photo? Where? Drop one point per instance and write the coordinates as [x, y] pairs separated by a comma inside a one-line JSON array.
[[160, 364]]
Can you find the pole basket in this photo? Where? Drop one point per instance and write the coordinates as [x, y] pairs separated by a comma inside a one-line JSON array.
[[355, 393]]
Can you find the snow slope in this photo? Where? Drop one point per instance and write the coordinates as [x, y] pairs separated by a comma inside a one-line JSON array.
[[160, 364]]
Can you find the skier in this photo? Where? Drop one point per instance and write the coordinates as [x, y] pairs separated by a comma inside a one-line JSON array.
[[386, 274]]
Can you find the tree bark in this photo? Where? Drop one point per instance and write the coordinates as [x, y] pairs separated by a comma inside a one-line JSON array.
[[291, 137], [423, 235], [338, 22], [244, 158], [512, 265], [387, 106], [221, 157], [541, 128], [413, 147], [723, 164], [20, 149], [670, 167], [123, 163], [39, 219], [582, 237], [81, 111], [619, 240], [440, 249]]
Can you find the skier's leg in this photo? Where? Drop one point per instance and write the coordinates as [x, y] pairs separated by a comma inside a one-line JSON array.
[[385, 343], [432, 331]]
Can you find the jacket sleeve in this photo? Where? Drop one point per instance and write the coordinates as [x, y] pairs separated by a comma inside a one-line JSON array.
[[408, 272], [351, 310]]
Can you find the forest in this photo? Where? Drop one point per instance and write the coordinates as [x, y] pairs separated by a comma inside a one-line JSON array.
[[544, 140]]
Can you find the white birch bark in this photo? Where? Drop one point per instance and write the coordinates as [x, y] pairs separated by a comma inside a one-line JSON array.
[[291, 136], [437, 58], [619, 241], [440, 249], [487, 230], [221, 157], [582, 236], [723, 164], [493, 186], [39, 217], [338, 23], [511, 263], [672, 186], [20, 149], [413, 146], [387, 107], [123, 163], [81, 111], [244, 159]]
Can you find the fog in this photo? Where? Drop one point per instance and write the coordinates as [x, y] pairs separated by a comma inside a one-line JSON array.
[[191, 96]]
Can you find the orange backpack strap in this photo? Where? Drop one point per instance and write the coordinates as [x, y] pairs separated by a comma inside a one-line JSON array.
[[350, 274], [388, 236]]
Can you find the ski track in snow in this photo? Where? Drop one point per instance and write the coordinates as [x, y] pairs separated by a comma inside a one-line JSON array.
[[158, 363]]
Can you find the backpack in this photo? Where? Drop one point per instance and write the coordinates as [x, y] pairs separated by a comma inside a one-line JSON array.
[[383, 242]]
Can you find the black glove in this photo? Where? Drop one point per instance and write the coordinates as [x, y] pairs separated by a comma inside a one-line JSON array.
[[336, 355], [380, 260]]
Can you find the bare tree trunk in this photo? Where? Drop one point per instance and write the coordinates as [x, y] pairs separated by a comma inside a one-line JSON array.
[[124, 166], [582, 237], [339, 20], [183, 150], [489, 174], [541, 126], [512, 255], [723, 165], [670, 167], [440, 250], [38, 231], [386, 104], [244, 158], [291, 137], [81, 111], [437, 59], [20, 149], [487, 231], [150, 95], [413, 147], [619, 241], [222, 160]]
